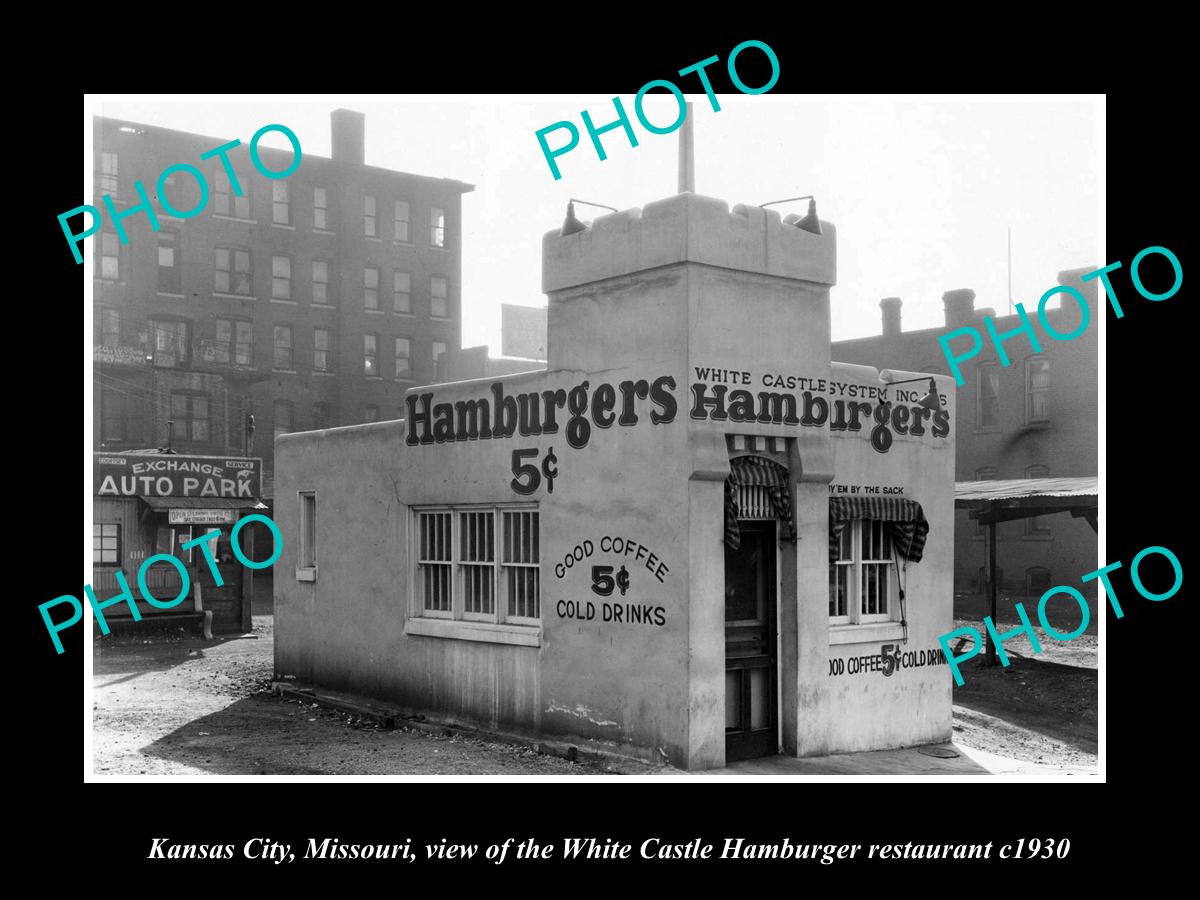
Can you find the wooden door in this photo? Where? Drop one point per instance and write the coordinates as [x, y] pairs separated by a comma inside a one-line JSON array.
[[750, 644]]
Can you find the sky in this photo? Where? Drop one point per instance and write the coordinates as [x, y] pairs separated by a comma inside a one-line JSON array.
[[922, 191]]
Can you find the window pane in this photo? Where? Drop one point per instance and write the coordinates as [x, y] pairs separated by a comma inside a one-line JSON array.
[[403, 364], [437, 229], [402, 220], [402, 300], [989, 395]]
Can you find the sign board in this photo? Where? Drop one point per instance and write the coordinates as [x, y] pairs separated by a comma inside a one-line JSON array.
[[175, 475], [202, 516]]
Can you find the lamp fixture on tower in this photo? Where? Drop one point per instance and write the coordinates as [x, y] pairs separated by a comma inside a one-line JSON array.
[[809, 223], [930, 401], [572, 225]]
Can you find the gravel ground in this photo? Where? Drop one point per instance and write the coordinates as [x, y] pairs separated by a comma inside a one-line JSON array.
[[1040, 708], [180, 705]]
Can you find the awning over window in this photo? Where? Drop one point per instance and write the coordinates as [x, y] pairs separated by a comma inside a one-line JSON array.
[[751, 475], [909, 527]]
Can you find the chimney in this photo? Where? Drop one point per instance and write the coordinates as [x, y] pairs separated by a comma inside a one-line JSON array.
[[891, 315], [960, 307], [1074, 278], [348, 130]]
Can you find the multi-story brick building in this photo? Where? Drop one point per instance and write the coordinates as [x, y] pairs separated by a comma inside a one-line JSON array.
[[1035, 418], [308, 301]]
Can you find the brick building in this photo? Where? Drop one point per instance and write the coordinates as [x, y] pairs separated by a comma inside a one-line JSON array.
[[1034, 418], [309, 301]]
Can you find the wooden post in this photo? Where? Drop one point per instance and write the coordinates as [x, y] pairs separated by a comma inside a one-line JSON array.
[[991, 648]]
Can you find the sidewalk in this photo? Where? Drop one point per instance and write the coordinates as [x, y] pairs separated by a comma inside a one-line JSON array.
[[905, 762]]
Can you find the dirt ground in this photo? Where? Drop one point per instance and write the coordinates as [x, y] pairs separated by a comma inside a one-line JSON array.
[[180, 705], [176, 704], [1041, 708]]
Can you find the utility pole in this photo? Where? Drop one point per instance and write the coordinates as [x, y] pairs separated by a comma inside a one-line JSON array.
[[1010, 270]]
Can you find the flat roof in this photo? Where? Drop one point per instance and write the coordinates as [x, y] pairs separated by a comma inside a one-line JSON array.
[[967, 492], [462, 186]]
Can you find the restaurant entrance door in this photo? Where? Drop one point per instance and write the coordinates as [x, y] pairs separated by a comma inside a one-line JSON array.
[[751, 678]]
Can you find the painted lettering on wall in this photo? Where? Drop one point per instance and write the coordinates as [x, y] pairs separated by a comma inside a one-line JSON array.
[[175, 475], [536, 412], [889, 660], [868, 490], [624, 548], [622, 613], [615, 574], [812, 402]]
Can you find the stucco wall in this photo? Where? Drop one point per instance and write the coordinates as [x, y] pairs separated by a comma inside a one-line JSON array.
[[643, 307], [868, 709]]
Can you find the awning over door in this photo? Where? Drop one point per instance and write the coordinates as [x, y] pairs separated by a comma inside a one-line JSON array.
[[757, 488], [202, 510], [158, 503], [909, 526]]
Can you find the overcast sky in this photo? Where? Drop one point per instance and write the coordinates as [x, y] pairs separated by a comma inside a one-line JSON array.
[[922, 191]]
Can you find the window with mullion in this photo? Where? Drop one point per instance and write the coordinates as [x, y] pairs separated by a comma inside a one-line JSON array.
[[521, 566], [232, 271], [191, 416], [876, 558], [109, 182], [435, 564], [320, 209], [477, 563], [369, 220], [281, 277], [280, 208], [235, 342], [860, 579], [402, 221], [371, 287], [1037, 389], [106, 544], [841, 577], [437, 227], [987, 407]]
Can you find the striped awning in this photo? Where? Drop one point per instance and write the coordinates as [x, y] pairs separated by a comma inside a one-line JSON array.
[[909, 526], [757, 472]]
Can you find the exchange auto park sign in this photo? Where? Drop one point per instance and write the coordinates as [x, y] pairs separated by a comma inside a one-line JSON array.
[[173, 475]]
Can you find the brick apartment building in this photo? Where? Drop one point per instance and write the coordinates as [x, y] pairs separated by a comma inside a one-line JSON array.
[[1035, 418], [308, 302]]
